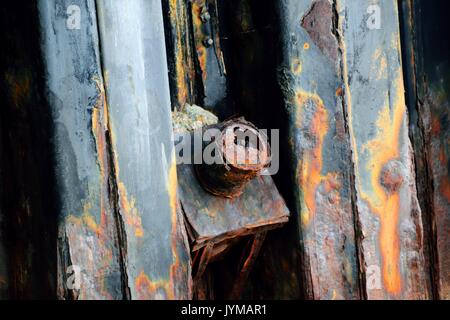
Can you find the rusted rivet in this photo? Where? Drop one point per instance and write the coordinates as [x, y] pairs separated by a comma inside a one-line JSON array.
[[333, 197], [244, 153], [392, 176], [208, 42]]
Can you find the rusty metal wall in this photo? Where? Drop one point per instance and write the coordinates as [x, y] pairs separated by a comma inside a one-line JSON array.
[[387, 207], [143, 159], [29, 223], [87, 167], [88, 242], [90, 174], [359, 223], [349, 174], [426, 62], [3, 255], [196, 60], [310, 80]]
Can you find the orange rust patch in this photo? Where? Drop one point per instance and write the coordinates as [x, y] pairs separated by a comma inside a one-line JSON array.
[[172, 186], [147, 289], [99, 129], [383, 149], [131, 214], [93, 264], [177, 17], [97, 263], [331, 185], [332, 182], [128, 205], [445, 188], [311, 165], [198, 24]]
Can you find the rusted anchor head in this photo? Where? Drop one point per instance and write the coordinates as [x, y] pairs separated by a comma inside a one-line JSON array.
[[243, 153]]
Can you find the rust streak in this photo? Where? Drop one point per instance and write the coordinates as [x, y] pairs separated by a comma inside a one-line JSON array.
[[197, 6], [384, 198], [177, 17], [310, 172]]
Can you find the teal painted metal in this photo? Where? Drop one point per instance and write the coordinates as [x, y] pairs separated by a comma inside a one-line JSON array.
[[88, 244], [309, 78], [388, 212], [156, 259]]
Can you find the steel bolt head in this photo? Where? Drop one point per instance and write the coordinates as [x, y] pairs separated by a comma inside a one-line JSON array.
[[208, 42], [205, 16]]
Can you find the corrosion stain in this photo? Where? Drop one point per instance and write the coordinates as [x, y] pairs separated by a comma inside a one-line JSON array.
[[128, 205], [199, 36], [392, 176], [379, 66], [147, 289], [318, 23], [435, 125], [177, 17], [89, 239], [445, 188], [296, 66], [387, 177], [99, 128], [172, 187], [331, 185], [19, 87], [311, 113], [164, 288], [131, 213], [442, 156]]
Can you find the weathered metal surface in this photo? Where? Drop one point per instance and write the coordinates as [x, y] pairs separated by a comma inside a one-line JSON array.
[[156, 259], [209, 56], [88, 243], [196, 60], [251, 51], [27, 169], [180, 51], [243, 153], [109, 172], [246, 264], [427, 70], [3, 255], [216, 219], [309, 78], [251, 48], [389, 216]]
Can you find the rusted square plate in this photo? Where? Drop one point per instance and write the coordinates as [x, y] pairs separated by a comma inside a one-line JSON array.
[[216, 219]]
